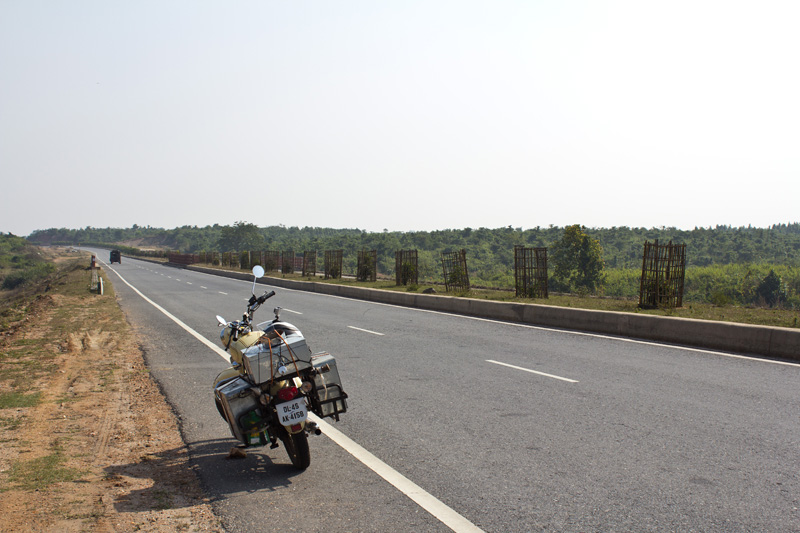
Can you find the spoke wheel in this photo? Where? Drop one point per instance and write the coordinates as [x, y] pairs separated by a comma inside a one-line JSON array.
[[297, 448]]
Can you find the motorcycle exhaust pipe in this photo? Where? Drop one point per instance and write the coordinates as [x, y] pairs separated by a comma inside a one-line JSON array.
[[311, 427]]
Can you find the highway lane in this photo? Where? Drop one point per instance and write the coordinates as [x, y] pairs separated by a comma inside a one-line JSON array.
[[641, 437]]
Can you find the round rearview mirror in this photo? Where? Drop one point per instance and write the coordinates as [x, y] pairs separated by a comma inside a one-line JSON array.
[[258, 271]]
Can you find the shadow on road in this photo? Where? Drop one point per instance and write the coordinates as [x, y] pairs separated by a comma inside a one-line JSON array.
[[219, 474]]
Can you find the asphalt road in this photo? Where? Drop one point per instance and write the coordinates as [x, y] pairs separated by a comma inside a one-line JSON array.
[[512, 428]]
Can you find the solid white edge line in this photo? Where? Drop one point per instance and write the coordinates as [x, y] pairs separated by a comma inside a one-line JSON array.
[[427, 501], [366, 330], [532, 371], [193, 333]]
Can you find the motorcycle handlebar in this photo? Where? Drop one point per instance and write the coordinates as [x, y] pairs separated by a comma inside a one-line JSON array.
[[254, 303], [264, 297]]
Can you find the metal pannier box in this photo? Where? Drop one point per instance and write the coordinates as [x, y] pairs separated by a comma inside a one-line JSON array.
[[262, 361], [327, 396], [238, 400]]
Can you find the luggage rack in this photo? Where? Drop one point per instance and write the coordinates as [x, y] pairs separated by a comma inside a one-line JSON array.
[[332, 406]]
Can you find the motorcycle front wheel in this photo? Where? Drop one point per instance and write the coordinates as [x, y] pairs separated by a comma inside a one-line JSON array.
[[297, 448]]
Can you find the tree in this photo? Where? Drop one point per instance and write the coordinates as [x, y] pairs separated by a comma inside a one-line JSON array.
[[769, 290], [240, 237], [577, 260]]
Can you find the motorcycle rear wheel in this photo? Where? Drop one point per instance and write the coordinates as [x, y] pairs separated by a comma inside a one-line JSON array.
[[297, 448]]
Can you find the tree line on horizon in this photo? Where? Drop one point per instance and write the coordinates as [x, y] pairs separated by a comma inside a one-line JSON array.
[[724, 264], [621, 246]]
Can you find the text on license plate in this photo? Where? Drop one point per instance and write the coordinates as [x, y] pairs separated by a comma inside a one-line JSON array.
[[293, 412]]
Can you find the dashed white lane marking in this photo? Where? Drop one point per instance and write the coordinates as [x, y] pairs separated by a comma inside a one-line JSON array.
[[366, 330], [532, 371], [178, 321]]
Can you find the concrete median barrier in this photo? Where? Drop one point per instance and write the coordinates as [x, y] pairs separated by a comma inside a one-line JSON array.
[[781, 343]]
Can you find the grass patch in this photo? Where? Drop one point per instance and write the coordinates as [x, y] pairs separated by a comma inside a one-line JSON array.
[[66, 398], [10, 423], [40, 473], [19, 374], [15, 400], [27, 276], [162, 500], [27, 342]]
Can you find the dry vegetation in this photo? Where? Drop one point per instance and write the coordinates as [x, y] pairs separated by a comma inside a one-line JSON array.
[[87, 442]]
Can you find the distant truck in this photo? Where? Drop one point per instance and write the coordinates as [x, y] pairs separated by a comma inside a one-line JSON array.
[[116, 257]]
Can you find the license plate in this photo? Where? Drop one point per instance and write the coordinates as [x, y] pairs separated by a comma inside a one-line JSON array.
[[293, 412]]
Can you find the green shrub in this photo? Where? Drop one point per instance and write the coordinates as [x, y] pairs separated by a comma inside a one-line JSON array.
[[743, 284], [622, 282], [770, 289], [19, 278]]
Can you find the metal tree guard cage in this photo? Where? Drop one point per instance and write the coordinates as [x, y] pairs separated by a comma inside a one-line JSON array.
[[454, 266], [333, 264], [367, 265], [663, 273], [530, 272], [272, 258], [310, 263], [287, 262], [406, 267], [256, 258]]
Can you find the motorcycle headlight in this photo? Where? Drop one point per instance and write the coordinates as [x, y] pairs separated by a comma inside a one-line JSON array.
[[225, 336]]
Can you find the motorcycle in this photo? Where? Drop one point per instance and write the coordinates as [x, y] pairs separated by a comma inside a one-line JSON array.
[[273, 381]]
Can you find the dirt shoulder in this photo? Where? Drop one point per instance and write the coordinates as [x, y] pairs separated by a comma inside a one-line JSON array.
[[87, 441]]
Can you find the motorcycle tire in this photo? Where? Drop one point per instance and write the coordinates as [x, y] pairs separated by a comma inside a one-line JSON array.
[[297, 448]]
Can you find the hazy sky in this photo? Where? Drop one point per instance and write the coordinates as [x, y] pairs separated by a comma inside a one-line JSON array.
[[402, 115]]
